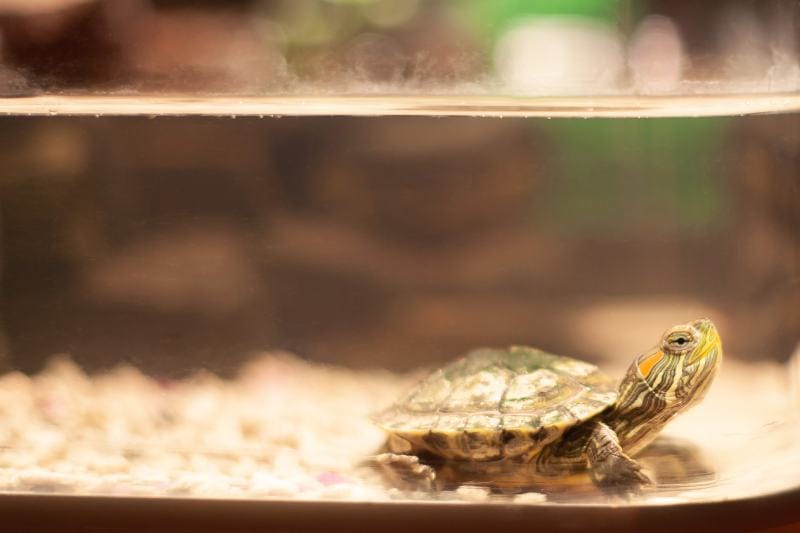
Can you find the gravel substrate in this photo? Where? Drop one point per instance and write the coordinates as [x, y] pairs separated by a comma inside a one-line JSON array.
[[286, 428], [282, 428]]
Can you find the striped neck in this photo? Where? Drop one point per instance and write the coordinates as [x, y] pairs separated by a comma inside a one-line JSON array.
[[640, 412], [657, 386]]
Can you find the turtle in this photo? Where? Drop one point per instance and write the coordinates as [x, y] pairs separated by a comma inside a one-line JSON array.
[[547, 415]]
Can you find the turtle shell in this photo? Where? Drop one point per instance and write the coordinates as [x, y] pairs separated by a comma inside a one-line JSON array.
[[494, 404]]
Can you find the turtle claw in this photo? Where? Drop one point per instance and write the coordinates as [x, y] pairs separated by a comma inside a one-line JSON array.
[[406, 471], [619, 475]]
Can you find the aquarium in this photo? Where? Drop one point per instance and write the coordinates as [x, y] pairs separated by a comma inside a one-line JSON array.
[[235, 234]]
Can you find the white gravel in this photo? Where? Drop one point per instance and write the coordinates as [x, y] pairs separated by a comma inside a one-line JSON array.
[[283, 428]]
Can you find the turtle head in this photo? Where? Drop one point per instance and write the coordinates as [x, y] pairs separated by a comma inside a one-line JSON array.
[[682, 365], [664, 381]]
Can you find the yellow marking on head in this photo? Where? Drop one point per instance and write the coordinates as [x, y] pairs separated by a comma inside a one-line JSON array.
[[709, 342], [647, 364]]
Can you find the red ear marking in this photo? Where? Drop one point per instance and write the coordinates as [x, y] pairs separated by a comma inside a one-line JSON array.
[[647, 363]]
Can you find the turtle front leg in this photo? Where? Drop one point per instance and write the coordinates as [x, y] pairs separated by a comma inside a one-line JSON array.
[[609, 467], [407, 472]]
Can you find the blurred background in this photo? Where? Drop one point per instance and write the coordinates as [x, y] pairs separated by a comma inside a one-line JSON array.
[[257, 47], [184, 242]]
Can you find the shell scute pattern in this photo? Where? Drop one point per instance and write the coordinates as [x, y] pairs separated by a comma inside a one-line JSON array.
[[542, 387], [499, 403], [450, 423], [480, 391]]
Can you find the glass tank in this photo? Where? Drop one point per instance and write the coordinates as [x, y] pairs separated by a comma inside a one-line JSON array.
[[235, 235]]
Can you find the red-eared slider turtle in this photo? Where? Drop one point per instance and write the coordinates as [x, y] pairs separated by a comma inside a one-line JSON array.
[[555, 414]]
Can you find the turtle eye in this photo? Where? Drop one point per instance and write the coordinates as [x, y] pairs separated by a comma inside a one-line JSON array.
[[679, 341]]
